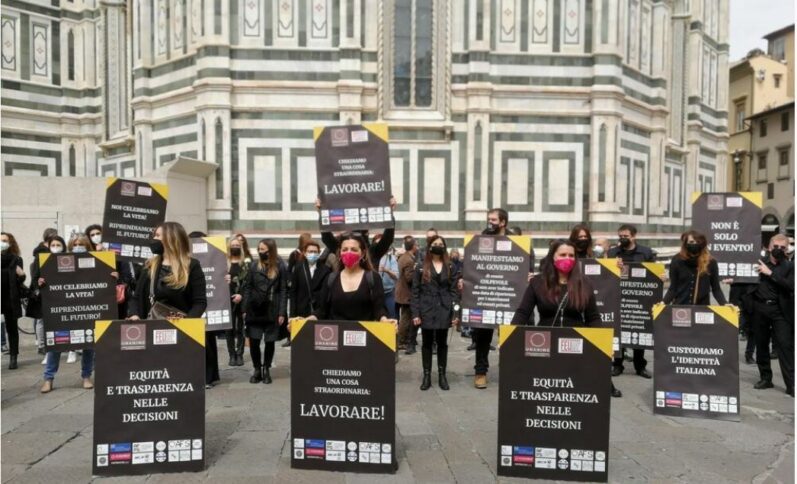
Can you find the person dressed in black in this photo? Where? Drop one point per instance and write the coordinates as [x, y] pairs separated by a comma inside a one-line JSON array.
[[34, 308], [376, 250], [174, 278], [354, 292], [125, 270], [694, 274], [238, 264], [434, 292], [265, 302], [307, 281], [629, 251], [581, 237], [12, 287], [773, 313]]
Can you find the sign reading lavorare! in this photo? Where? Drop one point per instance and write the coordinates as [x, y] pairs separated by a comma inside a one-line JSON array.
[[604, 276], [731, 223], [343, 396], [78, 290], [641, 287], [211, 252], [353, 173], [495, 274], [696, 371], [132, 211], [553, 402], [149, 400]]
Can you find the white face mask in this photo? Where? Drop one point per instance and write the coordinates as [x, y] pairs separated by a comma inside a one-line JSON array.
[[79, 249], [4, 245], [96, 239], [56, 250], [597, 251]]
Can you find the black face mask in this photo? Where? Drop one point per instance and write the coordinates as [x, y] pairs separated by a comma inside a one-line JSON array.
[[582, 244], [492, 228], [779, 254], [235, 251], [437, 250], [156, 246], [694, 249], [263, 256], [625, 242]]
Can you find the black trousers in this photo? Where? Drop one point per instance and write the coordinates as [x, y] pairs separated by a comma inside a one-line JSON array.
[[639, 360], [254, 352], [482, 337], [235, 336], [769, 320], [211, 358], [430, 337], [12, 328]]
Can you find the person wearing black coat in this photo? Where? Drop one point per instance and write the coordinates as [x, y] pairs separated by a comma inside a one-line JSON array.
[[265, 304], [434, 293], [307, 281], [34, 308], [13, 289], [694, 274], [773, 313]]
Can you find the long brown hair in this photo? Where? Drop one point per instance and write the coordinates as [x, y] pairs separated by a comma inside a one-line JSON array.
[[578, 289], [574, 237], [703, 258], [177, 248], [13, 246], [427, 261], [365, 261], [244, 245], [271, 265]]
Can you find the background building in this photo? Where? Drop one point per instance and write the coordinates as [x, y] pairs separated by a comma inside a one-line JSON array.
[[558, 110]]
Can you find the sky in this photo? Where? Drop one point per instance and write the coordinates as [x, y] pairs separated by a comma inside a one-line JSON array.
[[752, 19]]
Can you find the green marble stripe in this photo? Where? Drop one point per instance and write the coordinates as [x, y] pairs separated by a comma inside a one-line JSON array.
[[578, 120], [707, 166], [24, 48], [213, 51], [33, 8], [166, 68], [173, 123], [31, 137], [284, 76], [306, 134], [10, 166], [552, 137], [18, 150], [251, 53], [707, 152], [51, 108], [286, 115], [630, 145], [174, 140], [711, 126], [417, 135], [122, 150], [628, 128], [295, 153], [156, 91], [51, 90], [212, 72]]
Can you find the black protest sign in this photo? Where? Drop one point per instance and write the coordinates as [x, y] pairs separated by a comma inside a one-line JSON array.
[[553, 402], [211, 252], [149, 397], [696, 370], [132, 211], [604, 277], [731, 223], [495, 274], [641, 287], [343, 396], [353, 174], [78, 291]]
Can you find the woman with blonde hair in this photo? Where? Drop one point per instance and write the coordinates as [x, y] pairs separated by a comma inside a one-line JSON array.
[[694, 274]]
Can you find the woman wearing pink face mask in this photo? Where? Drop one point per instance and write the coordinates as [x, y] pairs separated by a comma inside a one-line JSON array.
[[560, 293], [354, 292]]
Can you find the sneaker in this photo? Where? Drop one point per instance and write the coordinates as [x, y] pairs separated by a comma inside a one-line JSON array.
[[480, 381], [44, 360], [71, 357]]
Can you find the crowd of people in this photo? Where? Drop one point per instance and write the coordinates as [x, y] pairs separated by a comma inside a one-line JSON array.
[[351, 276]]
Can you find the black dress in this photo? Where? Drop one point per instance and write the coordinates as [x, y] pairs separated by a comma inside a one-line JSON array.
[[550, 313], [683, 274], [366, 303]]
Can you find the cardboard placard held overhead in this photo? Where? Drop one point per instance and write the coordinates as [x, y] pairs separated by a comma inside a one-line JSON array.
[[132, 211]]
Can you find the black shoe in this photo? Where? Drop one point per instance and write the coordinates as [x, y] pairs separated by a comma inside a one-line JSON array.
[[434, 349], [763, 384], [616, 393], [239, 360], [233, 361], [471, 347], [287, 343], [617, 370], [257, 377], [644, 373], [266, 376], [42, 351], [410, 350], [749, 359], [12, 362], [628, 358], [492, 348], [441, 378], [773, 355], [790, 392], [426, 383]]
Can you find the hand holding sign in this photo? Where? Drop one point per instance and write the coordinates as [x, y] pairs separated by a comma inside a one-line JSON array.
[[764, 269]]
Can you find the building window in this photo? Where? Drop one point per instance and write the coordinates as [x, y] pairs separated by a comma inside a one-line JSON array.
[[785, 119], [740, 116], [763, 128], [776, 78], [783, 163], [70, 52], [770, 191], [762, 167], [413, 53], [777, 48]]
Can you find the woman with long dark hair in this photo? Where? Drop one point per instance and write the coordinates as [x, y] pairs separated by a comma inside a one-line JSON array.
[[694, 274], [434, 292], [354, 292], [238, 264], [581, 237], [561, 294], [265, 305], [12, 288]]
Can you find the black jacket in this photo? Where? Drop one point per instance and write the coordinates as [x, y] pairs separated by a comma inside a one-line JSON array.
[[535, 297], [34, 307], [433, 301], [265, 300], [783, 278], [639, 253], [305, 292], [191, 299], [12, 307], [683, 274]]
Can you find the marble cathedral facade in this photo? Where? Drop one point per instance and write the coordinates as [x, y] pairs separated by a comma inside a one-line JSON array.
[[558, 110]]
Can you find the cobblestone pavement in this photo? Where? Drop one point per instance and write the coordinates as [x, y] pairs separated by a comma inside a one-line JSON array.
[[441, 436]]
